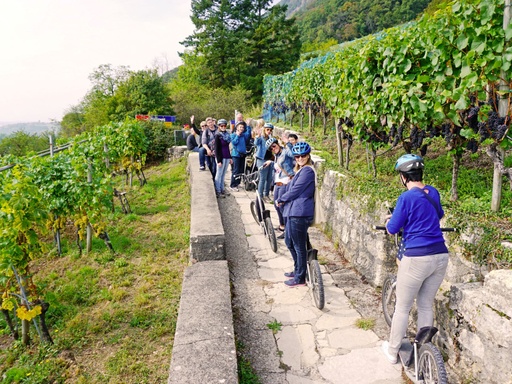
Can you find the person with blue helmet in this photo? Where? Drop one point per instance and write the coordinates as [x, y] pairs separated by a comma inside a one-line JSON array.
[[425, 259], [263, 155], [298, 202]]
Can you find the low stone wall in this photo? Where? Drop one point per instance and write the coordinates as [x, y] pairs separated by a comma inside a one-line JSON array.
[[474, 318], [206, 231], [204, 345]]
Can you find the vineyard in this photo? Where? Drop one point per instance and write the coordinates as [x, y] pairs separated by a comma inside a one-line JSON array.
[[445, 76], [49, 194]]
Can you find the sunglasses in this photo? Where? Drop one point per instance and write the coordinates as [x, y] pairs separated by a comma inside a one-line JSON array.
[[203, 126], [300, 156], [222, 125], [274, 146]]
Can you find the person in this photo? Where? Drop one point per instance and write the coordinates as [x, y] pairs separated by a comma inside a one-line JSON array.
[[194, 140], [222, 156], [298, 202], [208, 143], [283, 173], [238, 152], [262, 155], [423, 266]]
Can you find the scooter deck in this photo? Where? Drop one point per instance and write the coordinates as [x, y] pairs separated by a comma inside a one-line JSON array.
[[406, 352]]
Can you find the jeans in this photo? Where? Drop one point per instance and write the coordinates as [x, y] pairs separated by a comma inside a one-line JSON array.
[[278, 191], [266, 175], [418, 277], [211, 162], [238, 168], [295, 238], [202, 155], [221, 174]]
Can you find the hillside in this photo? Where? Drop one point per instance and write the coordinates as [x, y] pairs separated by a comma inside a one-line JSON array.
[[345, 20]]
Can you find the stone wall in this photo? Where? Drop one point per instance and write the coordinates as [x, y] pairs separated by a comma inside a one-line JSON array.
[[474, 317]]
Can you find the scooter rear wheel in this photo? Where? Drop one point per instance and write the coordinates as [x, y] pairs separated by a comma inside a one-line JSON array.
[[389, 298]]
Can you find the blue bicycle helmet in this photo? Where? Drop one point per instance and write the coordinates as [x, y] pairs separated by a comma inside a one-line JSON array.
[[409, 162], [268, 125], [270, 141], [301, 148], [222, 122]]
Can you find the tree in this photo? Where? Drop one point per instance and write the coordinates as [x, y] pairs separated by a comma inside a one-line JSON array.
[[142, 93], [21, 143], [238, 41]]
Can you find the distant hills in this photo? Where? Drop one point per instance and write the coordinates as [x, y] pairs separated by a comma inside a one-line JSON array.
[[37, 127]]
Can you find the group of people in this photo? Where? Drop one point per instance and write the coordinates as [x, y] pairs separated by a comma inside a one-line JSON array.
[[285, 167], [288, 168]]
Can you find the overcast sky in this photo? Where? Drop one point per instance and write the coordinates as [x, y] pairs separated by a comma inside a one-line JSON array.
[[50, 47]]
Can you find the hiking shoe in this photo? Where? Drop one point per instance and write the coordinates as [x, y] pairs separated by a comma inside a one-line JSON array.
[[202, 168], [280, 237], [292, 283], [268, 200], [219, 195], [290, 274], [224, 193], [279, 229], [385, 349]]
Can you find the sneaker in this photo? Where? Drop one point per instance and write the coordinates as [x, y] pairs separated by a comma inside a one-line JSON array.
[[224, 193], [218, 195], [233, 189], [280, 237], [289, 274], [385, 349], [202, 168], [268, 200], [279, 229], [292, 283]]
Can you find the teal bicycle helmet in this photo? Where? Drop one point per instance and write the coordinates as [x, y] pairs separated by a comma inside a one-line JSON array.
[[222, 122], [270, 141], [409, 162], [301, 148], [268, 125]]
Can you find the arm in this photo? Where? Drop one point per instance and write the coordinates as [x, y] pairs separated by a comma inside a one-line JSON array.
[[302, 181], [218, 149]]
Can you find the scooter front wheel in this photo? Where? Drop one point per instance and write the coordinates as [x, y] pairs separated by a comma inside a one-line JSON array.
[[431, 365], [271, 234]]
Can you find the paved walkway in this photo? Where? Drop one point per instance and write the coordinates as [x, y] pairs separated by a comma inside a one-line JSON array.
[[312, 346]]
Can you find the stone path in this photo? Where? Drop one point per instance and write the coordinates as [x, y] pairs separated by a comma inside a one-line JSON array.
[[312, 346]]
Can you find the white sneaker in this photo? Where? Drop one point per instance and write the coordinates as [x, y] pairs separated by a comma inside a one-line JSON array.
[[385, 349]]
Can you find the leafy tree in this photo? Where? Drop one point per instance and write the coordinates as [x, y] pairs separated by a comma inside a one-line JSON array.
[[21, 143], [238, 41], [142, 93], [73, 122]]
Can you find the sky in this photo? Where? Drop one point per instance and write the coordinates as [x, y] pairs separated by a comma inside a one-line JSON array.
[[50, 47]]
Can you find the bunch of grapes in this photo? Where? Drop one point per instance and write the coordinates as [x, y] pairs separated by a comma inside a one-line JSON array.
[[446, 129], [472, 146], [472, 118], [499, 132]]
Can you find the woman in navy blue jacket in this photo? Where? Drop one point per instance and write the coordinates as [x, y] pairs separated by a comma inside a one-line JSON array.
[[299, 207]]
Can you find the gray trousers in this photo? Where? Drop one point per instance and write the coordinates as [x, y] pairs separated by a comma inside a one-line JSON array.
[[418, 278]]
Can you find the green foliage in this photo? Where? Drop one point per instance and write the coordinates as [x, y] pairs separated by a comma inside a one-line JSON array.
[[366, 324], [125, 304], [21, 143], [159, 138], [275, 326], [237, 42], [345, 20], [203, 101]]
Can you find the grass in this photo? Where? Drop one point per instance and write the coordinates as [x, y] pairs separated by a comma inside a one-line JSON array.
[[275, 326], [113, 317], [365, 323]]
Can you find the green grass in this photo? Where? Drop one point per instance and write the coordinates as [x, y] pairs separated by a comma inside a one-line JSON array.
[[113, 316], [365, 323]]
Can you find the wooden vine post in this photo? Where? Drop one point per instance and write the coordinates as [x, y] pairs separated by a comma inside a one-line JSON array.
[[503, 107], [89, 227]]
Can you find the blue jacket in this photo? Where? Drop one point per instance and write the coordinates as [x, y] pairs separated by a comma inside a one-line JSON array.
[[239, 143], [418, 218], [286, 162], [261, 146], [299, 197]]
